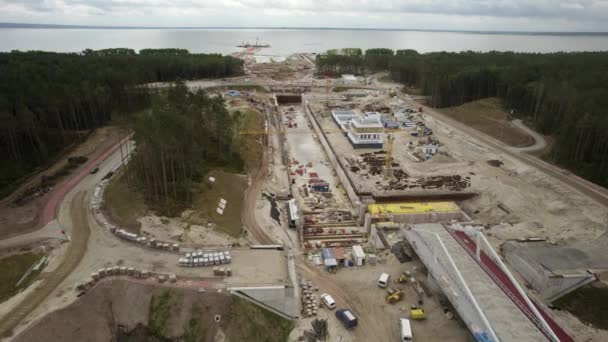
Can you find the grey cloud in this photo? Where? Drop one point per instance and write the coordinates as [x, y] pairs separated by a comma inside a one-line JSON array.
[[567, 9]]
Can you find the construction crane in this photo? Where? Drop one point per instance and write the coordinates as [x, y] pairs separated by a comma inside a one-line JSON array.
[[388, 147]]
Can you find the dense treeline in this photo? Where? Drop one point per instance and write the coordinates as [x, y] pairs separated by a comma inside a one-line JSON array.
[[561, 94], [48, 99], [182, 136]]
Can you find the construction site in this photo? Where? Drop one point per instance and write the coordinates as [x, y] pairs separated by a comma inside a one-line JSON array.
[[367, 195]]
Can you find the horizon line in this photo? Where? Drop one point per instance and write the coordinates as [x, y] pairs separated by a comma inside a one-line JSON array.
[[123, 27]]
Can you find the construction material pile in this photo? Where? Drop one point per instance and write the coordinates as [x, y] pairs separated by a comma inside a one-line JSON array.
[[117, 271], [310, 300], [450, 183], [201, 259]]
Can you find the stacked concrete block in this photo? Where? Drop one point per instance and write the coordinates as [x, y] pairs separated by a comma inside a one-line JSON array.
[[201, 259], [310, 302]]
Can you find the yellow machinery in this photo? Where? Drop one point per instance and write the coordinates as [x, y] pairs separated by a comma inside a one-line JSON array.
[[402, 278], [394, 296], [417, 314]]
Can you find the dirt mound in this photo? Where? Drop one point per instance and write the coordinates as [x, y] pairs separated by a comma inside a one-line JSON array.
[[120, 310]]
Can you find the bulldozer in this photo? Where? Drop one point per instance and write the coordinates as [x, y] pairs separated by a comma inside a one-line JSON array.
[[393, 296]]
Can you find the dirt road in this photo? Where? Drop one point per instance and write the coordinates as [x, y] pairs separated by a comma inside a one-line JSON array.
[[372, 325], [589, 189], [75, 252], [258, 177], [539, 141]]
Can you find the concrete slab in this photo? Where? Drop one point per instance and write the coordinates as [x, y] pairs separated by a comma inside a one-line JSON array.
[[281, 300]]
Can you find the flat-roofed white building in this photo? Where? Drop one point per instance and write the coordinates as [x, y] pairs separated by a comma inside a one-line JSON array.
[[343, 117], [366, 131]]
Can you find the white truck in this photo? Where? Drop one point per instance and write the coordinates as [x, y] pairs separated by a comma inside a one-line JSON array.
[[406, 330]]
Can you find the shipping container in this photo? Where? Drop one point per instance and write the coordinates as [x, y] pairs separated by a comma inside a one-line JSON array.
[[358, 255]]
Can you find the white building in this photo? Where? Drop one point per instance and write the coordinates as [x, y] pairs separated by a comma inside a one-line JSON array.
[[431, 149], [358, 255], [343, 117], [349, 79], [366, 131]]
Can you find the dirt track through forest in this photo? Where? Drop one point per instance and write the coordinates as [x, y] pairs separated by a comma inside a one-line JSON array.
[[75, 252], [258, 176]]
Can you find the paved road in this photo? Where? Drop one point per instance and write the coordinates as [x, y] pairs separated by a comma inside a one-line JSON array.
[[589, 189], [50, 210], [75, 253]]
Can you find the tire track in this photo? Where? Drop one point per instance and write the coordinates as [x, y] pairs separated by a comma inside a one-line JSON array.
[[251, 195], [371, 326], [75, 252]]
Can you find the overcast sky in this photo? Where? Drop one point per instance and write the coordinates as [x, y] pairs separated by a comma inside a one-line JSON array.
[[511, 15]]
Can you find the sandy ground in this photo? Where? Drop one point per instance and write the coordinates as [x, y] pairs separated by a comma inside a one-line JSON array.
[[303, 147], [356, 288], [124, 304], [538, 206]]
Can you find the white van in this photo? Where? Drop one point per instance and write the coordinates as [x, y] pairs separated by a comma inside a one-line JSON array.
[[406, 330], [383, 280], [328, 301]]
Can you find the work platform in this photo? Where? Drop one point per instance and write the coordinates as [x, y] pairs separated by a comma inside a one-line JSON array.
[[479, 290]]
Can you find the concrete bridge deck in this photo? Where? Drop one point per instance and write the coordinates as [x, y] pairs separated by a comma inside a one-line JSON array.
[[484, 307]]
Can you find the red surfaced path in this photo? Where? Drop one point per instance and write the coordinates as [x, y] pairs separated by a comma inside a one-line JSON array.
[[59, 192]]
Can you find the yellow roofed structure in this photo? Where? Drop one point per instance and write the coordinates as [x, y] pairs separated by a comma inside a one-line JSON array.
[[379, 210]]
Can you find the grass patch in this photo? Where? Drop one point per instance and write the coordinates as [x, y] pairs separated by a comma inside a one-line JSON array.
[[228, 186], [195, 330], [250, 148], [12, 269], [340, 89], [488, 116], [412, 91], [159, 313], [255, 324], [589, 304], [123, 203]]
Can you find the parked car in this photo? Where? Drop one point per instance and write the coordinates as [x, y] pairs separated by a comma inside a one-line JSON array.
[[347, 318], [94, 171], [328, 301]]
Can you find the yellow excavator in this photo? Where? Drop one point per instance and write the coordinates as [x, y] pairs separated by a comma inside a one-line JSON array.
[[393, 296], [403, 277]]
